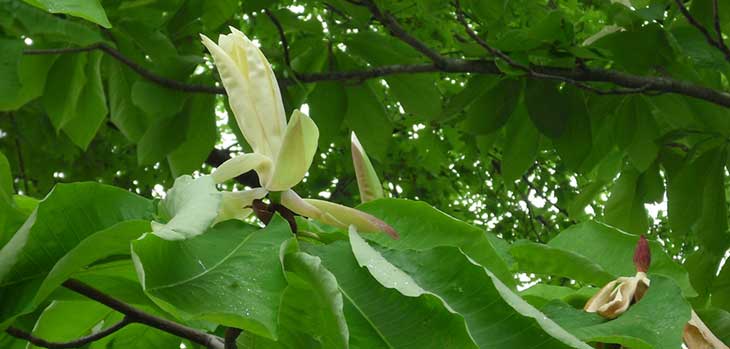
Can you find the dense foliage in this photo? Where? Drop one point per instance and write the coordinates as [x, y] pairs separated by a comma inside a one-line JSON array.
[[522, 147]]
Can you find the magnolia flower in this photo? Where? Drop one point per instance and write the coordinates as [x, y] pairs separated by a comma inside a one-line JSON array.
[[282, 153], [616, 297]]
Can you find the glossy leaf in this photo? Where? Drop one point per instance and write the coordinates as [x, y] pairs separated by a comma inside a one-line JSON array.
[[230, 275]]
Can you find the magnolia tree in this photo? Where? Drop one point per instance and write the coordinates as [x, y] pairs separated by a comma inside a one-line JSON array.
[[519, 143]]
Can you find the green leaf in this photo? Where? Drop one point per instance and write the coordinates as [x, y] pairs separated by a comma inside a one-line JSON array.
[[191, 205], [423, 227], [638, 50], [127, 117], [721, 288], [656, 321], [138, 336], [157, 100], [54, 325], [466, 289], [418, 94], [613, 250], [544, 259], [91, 107], [492, 110], [379, 317], [90, 10], [65, 84], [230, 275], [366, 116], [37, 23], [548, 107], [10, 81], [636, 130], [625, 206], [47, 245], [313, 303], [576, 140], [327, 107], [521, 145], [201, 133], [694, 202], [32, 72], [475, 87]]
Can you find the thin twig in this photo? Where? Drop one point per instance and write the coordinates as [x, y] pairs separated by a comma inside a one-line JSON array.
[[282, 36], [389, 22], [719, 44], [76, 343], [136, 315], [532, 73], [162, 81], [21, 161]]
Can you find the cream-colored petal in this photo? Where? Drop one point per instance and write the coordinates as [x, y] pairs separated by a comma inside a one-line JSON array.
[[698, 336], [291, 200], [296, 153], [601, 297], [233, 70], [364, 222], [622, 296], [237, 205], [265, 95], [367, 180], [241, 164]]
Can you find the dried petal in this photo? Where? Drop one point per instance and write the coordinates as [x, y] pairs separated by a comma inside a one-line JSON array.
[[616, 297], [698, 336]]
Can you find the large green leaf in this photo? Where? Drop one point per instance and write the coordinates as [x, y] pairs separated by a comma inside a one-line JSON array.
[[366, 116], [492, 109], [489, 308], [613, 250], [718, 321], [422, 227], [59, 237], [91, 107], [544, 259], [230, 275], [327, 107], [522, 143], [10, 81], [54, 325], [379, 317], [312, 303], [90, 10], [199, 123], [625, 207], [656, 321]]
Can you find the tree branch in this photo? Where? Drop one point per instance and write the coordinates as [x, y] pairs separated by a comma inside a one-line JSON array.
[[162, 81], [136, 315], [282, 36], [396, 30], [717, 43], [18, 333], [639, 83]]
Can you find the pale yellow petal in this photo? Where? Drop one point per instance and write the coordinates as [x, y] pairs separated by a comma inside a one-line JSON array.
[[237, 205], [367, 180], [601, 297], [265, 96], [296, 153], [291, 200], [364, 222], [241, 164]]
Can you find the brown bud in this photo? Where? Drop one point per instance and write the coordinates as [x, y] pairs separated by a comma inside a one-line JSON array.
[[642, 255]]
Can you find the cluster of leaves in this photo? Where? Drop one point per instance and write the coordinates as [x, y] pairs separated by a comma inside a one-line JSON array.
[[121, 93]]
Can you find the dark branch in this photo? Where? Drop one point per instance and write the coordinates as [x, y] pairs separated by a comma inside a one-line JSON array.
[[638, 83], [282, 36], [139, 316], [18, 333], [389, 22], [717, 43], [162, 81]]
